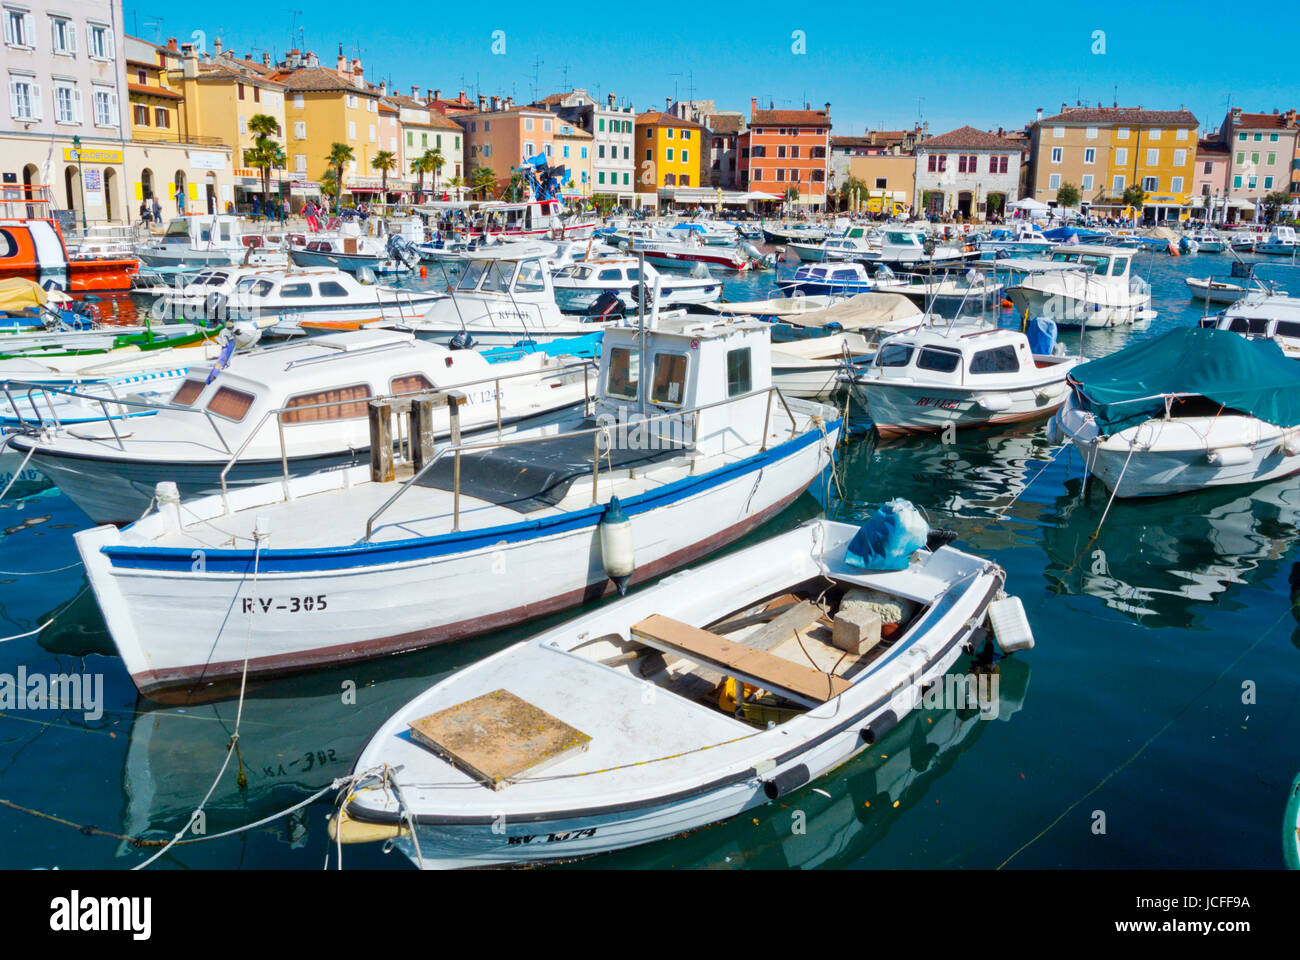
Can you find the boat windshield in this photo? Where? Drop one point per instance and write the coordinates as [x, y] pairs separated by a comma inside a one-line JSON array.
[[474, 271], [178, 228], [497, 279]]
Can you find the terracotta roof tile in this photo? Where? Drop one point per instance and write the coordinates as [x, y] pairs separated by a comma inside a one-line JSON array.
[[1123, 115], [968, 137], [153, 91], [791, 118]]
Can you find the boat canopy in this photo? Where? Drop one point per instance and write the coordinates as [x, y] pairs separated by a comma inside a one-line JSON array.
[[860, 312], [1251, 376], [18, 293]]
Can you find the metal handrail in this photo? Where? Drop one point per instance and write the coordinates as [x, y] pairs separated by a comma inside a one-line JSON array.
[[586, 365], [595, 432]]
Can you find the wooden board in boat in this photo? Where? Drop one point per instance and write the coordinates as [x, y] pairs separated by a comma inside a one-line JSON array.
[[758, 667], [498, 736]]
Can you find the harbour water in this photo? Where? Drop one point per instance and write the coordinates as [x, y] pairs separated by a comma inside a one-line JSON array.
[[1155, 724]]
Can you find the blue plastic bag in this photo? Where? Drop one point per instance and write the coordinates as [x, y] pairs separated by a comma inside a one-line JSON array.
[[889, 538], [1041, 335]]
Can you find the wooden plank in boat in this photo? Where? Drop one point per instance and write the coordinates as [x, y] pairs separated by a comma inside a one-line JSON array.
[[758, 667], [498, 736], [737, 621], [791, 621]]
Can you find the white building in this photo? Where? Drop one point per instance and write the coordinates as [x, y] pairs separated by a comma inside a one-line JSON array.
[[612, 127], [966, 172], [66, 78]]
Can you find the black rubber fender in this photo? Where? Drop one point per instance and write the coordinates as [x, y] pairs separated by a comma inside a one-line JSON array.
[[788, 780]]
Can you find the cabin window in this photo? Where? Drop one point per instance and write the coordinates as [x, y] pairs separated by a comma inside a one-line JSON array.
[[411, 383], [530, 278], [1288, 328], [498, 277], [624, 375], [940, 361], [330, 288], [669, 385], [997, 360], [251, 285], [188, 392], [290, 290], [610, 275], [231, 404], [343, 403], [739, 378], [1118, 268], [178, 228], [472, 275], [8, 246], [893, 355]]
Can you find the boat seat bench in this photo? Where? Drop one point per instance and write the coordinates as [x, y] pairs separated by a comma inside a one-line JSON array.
[[803, 685]]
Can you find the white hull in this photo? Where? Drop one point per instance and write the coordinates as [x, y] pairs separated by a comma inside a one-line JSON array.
[[1163, 457], [704, 766], [1094, 310], [311, 607]]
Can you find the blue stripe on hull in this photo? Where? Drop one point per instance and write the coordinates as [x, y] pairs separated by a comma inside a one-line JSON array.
[[181, 559]]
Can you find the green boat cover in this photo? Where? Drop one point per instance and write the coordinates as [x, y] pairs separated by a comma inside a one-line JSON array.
[[1250, 376]]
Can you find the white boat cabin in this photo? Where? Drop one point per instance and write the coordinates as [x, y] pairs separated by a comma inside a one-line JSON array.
[[1097, 260], [987, 357], [692, 362]]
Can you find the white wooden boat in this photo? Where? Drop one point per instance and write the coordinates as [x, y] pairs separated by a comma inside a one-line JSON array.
[[851, 244], [1280, 242], [1102, 292], [289, 410], [909, 248], [351, 564], [1190, 409], [936, 377], [579, 285], [647, 686], [1264, 314], [1210, 290]]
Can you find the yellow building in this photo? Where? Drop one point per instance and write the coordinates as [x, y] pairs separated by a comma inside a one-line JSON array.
[[669, 152], [324, 107], [573, 148], [1105, 150]]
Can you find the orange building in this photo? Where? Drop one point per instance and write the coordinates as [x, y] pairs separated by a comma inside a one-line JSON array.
[[786, 149]]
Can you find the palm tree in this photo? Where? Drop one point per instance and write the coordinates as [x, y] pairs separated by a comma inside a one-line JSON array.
[[340, 156], [456, 183], [418, 167], [482, 180], [384, 161], [434, 161], [265, 155]]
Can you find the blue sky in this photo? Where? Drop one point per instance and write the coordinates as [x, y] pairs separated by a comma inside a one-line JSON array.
[[986, 64]]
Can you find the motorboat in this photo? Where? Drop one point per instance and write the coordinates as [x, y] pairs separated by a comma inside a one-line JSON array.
[[470, 536], [351, 250], [954, 376], [1209, 241], [849, 245], [1281, 242], [285, 411], [784, 234], [32, 248], [834, 279], [711, 694], [944, 294], [1262, 315], [1186, 410], [212, 239], [297, 300], [912, 249], [689, 251], [1021, 238], [579, 285], [499, 300], [1243, 242], [1096, 288], [711, 234]]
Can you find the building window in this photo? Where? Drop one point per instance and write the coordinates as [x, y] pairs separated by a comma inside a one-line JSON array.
[[1268, 183], [1090, 155], [670, 155], [686, 155], [1272, 138], [932, 163], [1087, 181], [1054, 181], [1209, 166], [105, 108], [1150, 184], [1259, 137], [649, 154], [298, 101], [19, 28], [669, 133], [1057, 154], [63, 36], [1180, 158], [1272, 159], [600, 177], [1241, 137], [1254, 159], [300, 162], [67, 103], [1241, 157], [1153, 158], [300, 129], [99, 41], [24, 98], [547, 126], [1236, 183], [528, 123], [584, 153], [1121, 133], [1251, 183], [1117, 184], [1121, 156], [140, 115], [1058, 132], [352, 129], [161, 119], [1176, 185], [1090, 133], [240, 88], [1153, 133]]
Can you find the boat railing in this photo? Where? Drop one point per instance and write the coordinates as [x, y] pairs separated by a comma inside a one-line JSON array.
[[585, 365], [455, 449], [49, 392]]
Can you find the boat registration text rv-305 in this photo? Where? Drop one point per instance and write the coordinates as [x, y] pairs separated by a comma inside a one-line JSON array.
[[285, 605]]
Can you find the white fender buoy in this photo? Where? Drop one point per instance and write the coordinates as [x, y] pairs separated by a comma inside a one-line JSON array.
[[616, 549], [1055, 434], [1229, 456], [994, 402], [1291, 443], [1011, 630]]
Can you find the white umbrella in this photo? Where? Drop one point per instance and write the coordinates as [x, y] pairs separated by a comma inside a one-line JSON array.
[[1029, 203]]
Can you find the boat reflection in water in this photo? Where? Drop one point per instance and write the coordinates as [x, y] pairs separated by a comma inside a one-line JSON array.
[[867, 795], [1163, 558]]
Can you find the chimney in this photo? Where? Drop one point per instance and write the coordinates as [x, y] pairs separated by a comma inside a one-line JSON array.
[[1039, 117], [668, 102], [415, 92], [171, 44], [496, 103], [216, 47], [189, 62], [342, 63], [266, 58], [482, 103], [436, 94], [828, 108], [461, 97], [753, 105], [610, 98], [383, 88]]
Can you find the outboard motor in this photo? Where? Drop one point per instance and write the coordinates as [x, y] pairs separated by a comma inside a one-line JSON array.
[[462, 341], [608, 304], [883, 272]]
